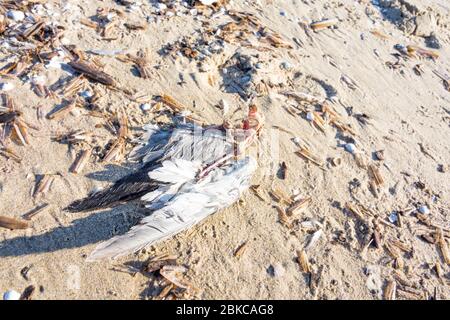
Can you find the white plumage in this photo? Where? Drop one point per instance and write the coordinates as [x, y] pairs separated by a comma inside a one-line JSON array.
[[181, 198]]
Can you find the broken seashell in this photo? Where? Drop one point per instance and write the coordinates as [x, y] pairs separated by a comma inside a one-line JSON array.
[[225, 106], [15, 15], [7, 86], [424, 209], [145, 107], [350, 147], [310, 116], [208, 2], [336, 161], [11, 295]]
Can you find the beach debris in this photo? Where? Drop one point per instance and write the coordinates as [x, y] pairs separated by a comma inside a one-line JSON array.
[[24, 272], [256, 191], [361, 160], [81, 161], [155, 263], [116, 151], [10, 154], [172, 274], [279, 196], [439, 271], [224, 106], [418, 70], [165, 267], [303, 261], [375, 173], [44, 184], [379, 155], [314, 239], [393, 217], [443, 246], [283, 218], [444, 77], [6, 86], [142, 63], [298, 206], [373, 282], [28, 293], [276, 270], [32, 213], [390, 290], [302, 97], [12, 223], [15, 15], [336, 161], [283, 170], [316, 119], [240, 250], [75, 85], [172, 103], [350, 147], [92, 72], [73, 137], [425, 151], [306, 154], [379, 34], [417, 52], [401, 245], [323, 24], [146, 107], [208, 2], [357, 210], [11, 295], [63, 111], [423, 209]]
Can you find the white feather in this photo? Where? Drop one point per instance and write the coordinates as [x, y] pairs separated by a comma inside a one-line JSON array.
[[175, 171], [194, 201]]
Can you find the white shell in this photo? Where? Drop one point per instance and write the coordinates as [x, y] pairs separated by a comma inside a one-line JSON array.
[[161, 6], [39, 80], [278, 270], [146, 106], [310, 116], [75, 112], [86, 94], [208, 2], [11, 295], [350, 147], [6, 86], [110, 16], [393, 217], [16, 15], [286, 65], [314, 238], [424, 209], [225, 106]]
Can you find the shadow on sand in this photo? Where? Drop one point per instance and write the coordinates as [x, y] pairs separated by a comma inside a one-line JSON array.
[[97, 227]]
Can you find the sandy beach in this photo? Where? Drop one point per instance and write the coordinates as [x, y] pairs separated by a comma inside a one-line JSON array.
[[356, 96]]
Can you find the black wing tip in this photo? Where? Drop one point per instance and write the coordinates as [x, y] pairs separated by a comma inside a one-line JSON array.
[[76, 206]]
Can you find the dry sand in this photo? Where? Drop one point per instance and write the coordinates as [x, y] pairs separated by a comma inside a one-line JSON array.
[[408, 116]]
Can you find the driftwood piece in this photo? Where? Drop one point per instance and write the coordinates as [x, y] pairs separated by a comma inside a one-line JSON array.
[[92, 72], [11, 223]]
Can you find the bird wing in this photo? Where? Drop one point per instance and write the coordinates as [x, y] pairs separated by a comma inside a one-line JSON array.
[[188, 141], [192, 202], [157, 145]]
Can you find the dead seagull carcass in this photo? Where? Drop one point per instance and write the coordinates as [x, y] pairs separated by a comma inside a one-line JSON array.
[[189, 173]]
